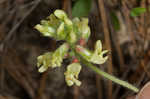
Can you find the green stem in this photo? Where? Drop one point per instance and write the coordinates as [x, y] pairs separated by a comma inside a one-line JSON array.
[[108, 76]]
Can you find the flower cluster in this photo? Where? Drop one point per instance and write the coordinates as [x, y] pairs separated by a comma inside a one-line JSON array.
[[52, 59], [75, 33]]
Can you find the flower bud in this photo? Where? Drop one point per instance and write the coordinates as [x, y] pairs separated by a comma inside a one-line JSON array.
[[76, 20], [43, 61], [71, 75], [52, 59], [72, 37], [61, 35], [60, 14], [85, 30], [43, 69], [98, 55], [68, 21], [46, 30], [59, 55]]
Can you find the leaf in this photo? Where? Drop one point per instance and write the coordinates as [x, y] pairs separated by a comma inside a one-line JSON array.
[[115, 21], [81, 8], [137, 11]]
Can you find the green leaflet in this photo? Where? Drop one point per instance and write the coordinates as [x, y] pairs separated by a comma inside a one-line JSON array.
[[137, 11], [115, 21], [81, 8]]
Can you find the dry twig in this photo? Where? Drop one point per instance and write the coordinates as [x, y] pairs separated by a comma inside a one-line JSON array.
[[107, 42]]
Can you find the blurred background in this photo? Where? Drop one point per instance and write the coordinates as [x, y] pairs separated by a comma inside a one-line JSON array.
[[122, 25]]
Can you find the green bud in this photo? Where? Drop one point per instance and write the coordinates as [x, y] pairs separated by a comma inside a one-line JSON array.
[[61, 35], [68, 78], [46, 30], [43, 69], [98, 55], [76, 20], [72, 37], [98, 47], [59, 55], [44, 22], [83, 27], [71, 75], [43, 61], [60, 14], [63, 16], [53, 21], [68, 21], [85, 30], [52, 59]]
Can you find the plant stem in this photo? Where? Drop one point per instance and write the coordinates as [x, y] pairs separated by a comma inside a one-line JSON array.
[[108, 76]]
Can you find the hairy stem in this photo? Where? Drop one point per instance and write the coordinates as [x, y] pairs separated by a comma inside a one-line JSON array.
[[108, 76]]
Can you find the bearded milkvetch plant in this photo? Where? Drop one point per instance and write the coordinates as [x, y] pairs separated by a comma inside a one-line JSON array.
[[75, 34]]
